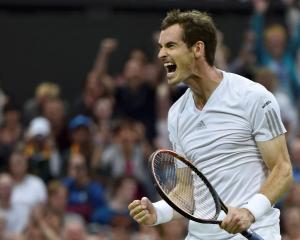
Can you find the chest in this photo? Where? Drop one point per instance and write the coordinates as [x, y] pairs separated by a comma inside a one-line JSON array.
[[213, 133]]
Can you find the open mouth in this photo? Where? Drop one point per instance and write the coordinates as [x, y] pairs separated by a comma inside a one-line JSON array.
[[170, 67]]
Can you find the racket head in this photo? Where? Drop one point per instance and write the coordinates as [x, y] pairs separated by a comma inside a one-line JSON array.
[[201, 204]]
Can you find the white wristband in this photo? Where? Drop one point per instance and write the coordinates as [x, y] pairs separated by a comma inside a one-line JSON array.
[[258, 205], [164, 213]]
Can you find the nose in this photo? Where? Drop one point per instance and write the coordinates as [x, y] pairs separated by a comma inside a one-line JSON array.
[[161, 53]]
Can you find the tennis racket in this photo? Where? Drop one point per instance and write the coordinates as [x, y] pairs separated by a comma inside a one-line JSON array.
[[187, 190]]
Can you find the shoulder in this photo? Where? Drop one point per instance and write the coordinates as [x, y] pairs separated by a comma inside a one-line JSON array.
[[239, 83], [31, 179], [247, 89]]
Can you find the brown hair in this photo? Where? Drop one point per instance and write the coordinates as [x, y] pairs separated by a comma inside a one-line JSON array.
[[275, 29], [197, 26]]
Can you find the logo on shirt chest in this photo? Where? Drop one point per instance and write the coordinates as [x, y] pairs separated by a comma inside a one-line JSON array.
[[201, 125]]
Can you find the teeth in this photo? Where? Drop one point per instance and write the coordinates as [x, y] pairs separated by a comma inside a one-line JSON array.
[[168, 64]]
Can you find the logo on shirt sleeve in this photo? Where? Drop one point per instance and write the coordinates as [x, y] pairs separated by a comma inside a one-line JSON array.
[[266, 104]]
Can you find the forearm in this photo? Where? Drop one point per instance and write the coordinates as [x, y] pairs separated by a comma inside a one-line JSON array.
[[278, 181], [257, 26], [101, 62], [293, 19]]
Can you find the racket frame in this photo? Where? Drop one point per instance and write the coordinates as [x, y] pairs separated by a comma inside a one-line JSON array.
[[249, 234], [219, 204]]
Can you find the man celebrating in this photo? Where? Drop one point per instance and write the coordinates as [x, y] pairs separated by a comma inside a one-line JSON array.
[[228, 126]]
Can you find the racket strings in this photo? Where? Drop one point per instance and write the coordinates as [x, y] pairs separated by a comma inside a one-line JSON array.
[[184, 187]]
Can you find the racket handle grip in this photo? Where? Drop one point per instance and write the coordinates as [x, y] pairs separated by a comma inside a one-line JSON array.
[[249, 234]]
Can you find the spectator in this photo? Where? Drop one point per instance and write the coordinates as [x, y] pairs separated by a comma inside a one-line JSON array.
[[44, 158], [74, 229], [126, 156], [43, 224], [291, 223], [28, 190], [10, 132], [57, 197], [81, 140], [222, 52], [84, 195], [43, 92], [103, 118], [116, 213], [15, 215], [135, 87], [33, 230], [95, 87], [106, 48], [293, 21], [102, 136], [273, 50], [55, 111], [245, 62]]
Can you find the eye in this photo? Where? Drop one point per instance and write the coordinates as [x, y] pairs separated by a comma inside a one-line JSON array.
[[171, 45]]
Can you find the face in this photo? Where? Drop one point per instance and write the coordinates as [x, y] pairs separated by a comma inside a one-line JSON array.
[[133, 71], [127, 136], [275, 44], [81, 135], [177, 58], [58, 199], [12, 118], [103, 108], [77, 168], [18, 165], [74, 231], [54, 111]]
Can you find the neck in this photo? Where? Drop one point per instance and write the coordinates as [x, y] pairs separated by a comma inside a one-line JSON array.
[[19, 178], [204, 83]]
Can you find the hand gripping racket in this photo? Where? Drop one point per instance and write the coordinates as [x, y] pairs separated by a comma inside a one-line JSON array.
[[187, 190]]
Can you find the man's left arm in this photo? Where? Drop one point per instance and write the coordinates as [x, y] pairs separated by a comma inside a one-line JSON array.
[[275, 155]]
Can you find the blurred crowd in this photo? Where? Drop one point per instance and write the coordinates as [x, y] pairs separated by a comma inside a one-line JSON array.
[[68, 170]]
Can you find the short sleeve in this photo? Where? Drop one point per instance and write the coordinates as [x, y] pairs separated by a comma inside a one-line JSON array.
[[264, 114]]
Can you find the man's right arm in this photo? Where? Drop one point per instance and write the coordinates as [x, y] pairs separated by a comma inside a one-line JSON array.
[[145, 212]]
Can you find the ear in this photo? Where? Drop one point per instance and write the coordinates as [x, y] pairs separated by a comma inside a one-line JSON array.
[[198, 49]]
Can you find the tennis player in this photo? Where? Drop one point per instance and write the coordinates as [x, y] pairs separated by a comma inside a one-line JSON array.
[[229, 127]]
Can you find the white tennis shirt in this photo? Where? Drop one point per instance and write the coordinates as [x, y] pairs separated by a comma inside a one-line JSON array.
[[221, 140]]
